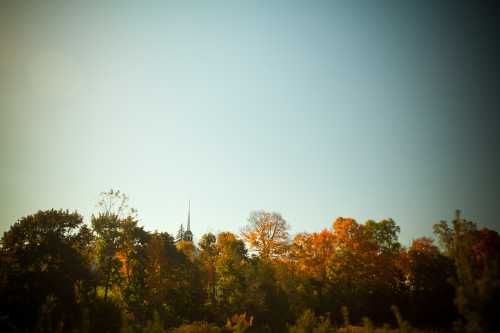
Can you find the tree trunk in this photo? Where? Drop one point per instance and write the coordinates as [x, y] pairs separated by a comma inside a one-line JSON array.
[[108, 276]]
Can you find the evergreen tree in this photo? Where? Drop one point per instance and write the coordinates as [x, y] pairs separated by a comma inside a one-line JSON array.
[[180, 234]]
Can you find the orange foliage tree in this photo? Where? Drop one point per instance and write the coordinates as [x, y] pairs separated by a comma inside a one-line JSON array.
[[266, 233]]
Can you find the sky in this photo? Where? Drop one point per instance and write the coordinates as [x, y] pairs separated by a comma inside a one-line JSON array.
[[314, 109]]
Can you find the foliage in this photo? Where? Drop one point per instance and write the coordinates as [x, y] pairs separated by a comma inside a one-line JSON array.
[[368, 325], [155, 325], [309, 323], [404, 326], [40, 266], [345, 316], [115, 202], [476, 255], [105, 316], [198, 327], [239, 323], [229, 268], [267, 233], [58, 275], [428, 272]]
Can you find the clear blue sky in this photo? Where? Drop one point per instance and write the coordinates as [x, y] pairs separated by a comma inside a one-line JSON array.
[[315, 110]]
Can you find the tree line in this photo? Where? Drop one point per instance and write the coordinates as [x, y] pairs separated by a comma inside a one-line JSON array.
[[58, 274]]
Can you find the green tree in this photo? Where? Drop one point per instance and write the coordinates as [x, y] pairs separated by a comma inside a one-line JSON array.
[[385, 234], [106, 226], [132, 256], [263, 298], [44, 270], [428, 274], [172, 281], [476, 254], [207, 259], [180, 234], [117, 233], [229, 269]]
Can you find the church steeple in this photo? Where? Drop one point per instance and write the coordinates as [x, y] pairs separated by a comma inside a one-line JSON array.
[[189, 216], [188, 235]]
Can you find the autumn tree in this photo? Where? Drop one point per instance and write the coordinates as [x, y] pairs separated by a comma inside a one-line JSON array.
[[188, 248], [57, 275], [355, 250], [362, 272], [310, 253], [266, 233], [308, 258]]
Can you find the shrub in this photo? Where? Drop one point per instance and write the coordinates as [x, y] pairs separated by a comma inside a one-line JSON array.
[[368, 325], [309, 323], [404, 326], [197, 327], [239, 323], [155, 325]]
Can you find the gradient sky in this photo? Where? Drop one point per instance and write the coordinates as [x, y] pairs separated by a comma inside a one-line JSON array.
[[313, 109]]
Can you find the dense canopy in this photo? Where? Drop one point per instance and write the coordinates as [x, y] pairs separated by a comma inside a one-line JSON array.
[[59, 274]]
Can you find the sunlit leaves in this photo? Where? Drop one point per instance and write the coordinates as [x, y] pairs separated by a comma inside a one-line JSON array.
[[266, 233]]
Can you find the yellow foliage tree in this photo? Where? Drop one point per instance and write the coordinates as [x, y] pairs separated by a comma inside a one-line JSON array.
[[266, 233]]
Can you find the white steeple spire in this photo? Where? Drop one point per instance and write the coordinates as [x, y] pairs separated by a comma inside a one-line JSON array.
[[188, 235], [189, 216]]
